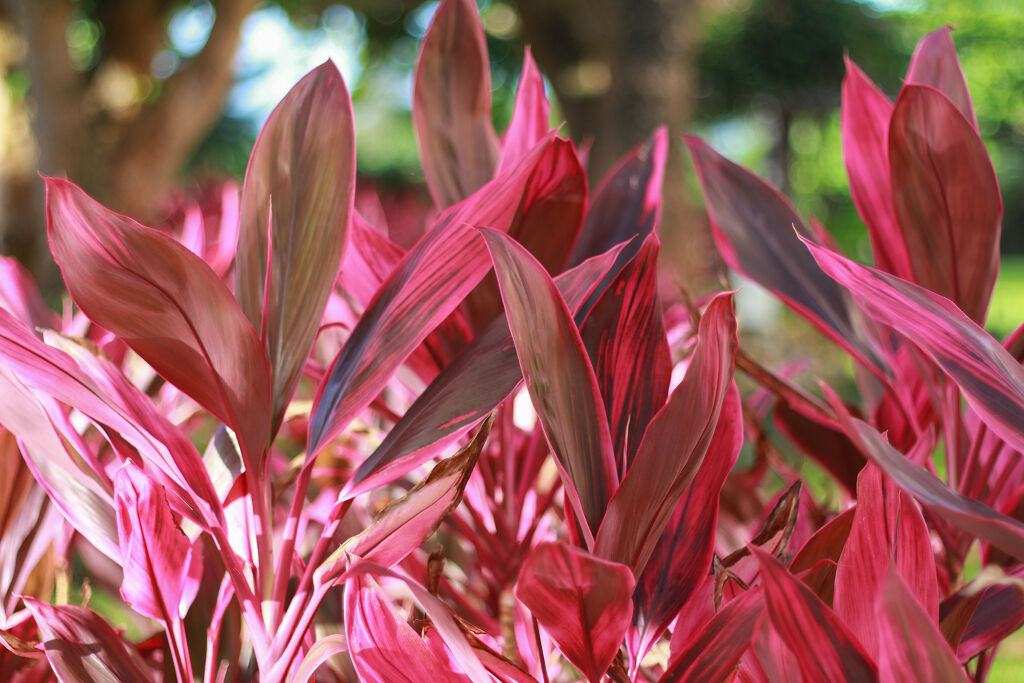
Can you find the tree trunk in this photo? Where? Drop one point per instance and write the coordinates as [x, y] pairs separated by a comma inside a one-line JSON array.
[[620, 69], [98, 127]]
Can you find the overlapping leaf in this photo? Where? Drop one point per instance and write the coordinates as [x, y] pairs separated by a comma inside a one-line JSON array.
[[582, 601], [990, 378], [558, 375], [946, 199], [83, 648], [674, 445], [758, 234], [530, 115], [421, 292], [935, 63], [824, 649], [484, 374], [295, 208], [167, 305]]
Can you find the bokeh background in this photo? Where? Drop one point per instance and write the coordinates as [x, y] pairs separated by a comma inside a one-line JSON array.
[[142, 101]]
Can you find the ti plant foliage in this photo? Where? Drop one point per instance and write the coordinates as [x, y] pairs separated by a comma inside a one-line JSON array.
[[289, 433]]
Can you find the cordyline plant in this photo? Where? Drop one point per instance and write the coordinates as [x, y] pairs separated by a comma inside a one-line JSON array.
[[287, 437]]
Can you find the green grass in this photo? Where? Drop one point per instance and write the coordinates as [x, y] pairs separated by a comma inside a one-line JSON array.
[[1007, 310]]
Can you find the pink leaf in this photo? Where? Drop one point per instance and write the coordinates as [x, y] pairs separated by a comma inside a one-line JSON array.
[[946, 199], [530, 115], [715, 653], [983, 613], [83, 648], [322, 650], [964, 513], [451, 108], [484, 374], [384, 648], [421, 292], [824, 649], [20, 296], [403, 525], [910, 645], [683, 429], [888, 532], [156, 555], [558, 375], [627, 202], [582, 601], [166, 304], [865, 115], [935, 63], [625, 338], [295, 209], [682, 558], [758, 234], [990, 378]]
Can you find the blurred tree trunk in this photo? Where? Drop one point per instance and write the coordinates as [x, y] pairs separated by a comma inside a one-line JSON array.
[[620, 69], [109, 126]]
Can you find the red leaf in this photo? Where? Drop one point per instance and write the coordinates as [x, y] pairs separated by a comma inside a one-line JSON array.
[[83, 648], [964, 513], [946, 199], [558, 375], [682, 558], [582, 601], [530, 115], [935, 63], [627, 202], [910, 645], [295, 209], [683, 429], [625, 338], [758, 234], [800, 618], [865, 115], [982, 613], [484, 374], [451, 108], [990, 378], [715, 653], [420, 293], [888, 533], [404, 524], [167, 305]]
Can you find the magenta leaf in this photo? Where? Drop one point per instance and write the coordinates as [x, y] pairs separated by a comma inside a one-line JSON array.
[[674, 445], [824, 649], [946, 199], [420, 293], [295, 209], [714, 654], [167, 305], [404, 524], [888, 533], [484, 374], [83, 648], [156, 555], [966, 514], [758, 234], [990, 378], [558, 375], [682, 558], [451, 110], [983, 613], [530, 115], [865, 115], [625, 338], [910, 645], [321, 651], [627, 202], [935, 63], [582, 601], [384, 648], [46, 443]]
